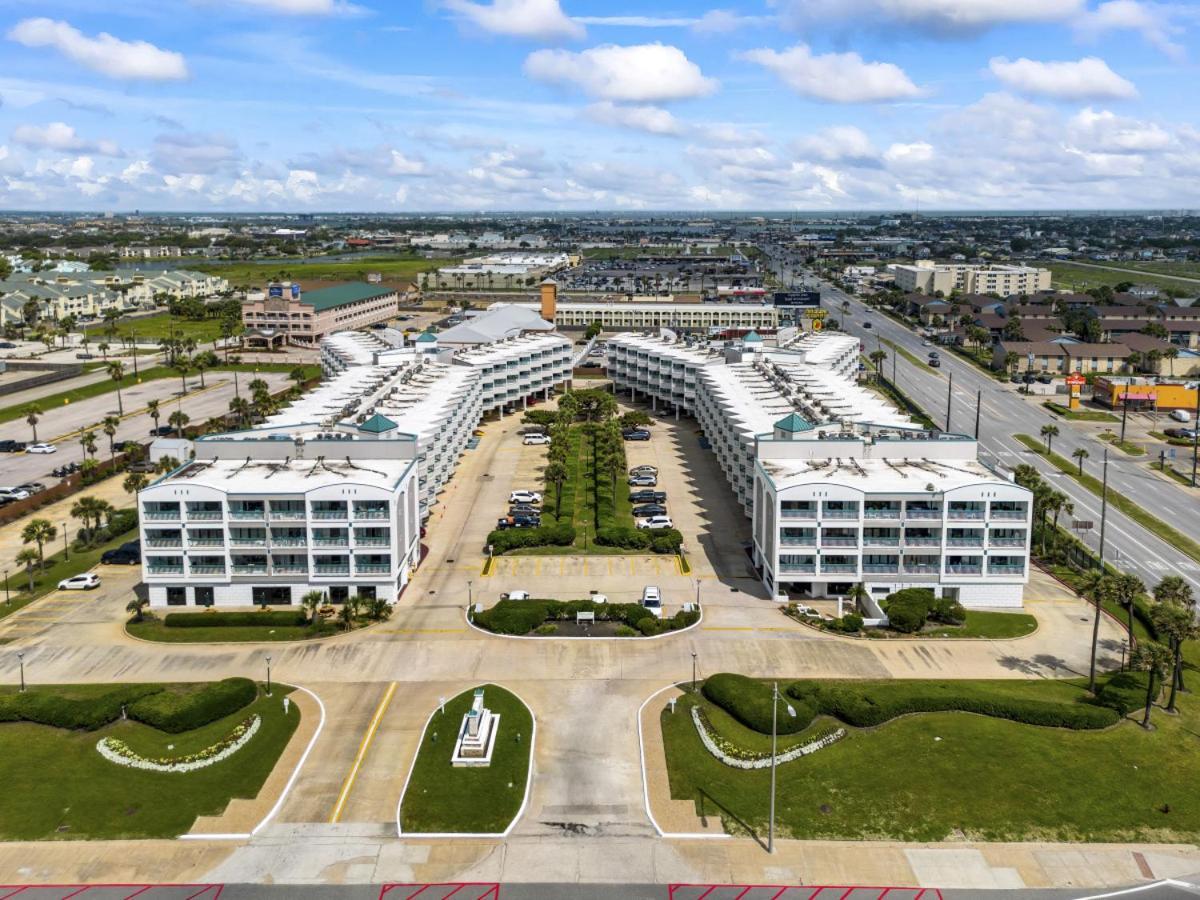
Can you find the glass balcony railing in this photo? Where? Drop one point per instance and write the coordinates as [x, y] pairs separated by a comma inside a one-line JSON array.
[[165, 569], [878, 568], [799, 513], [923, 540], [922, 513], [837, 568], [370, 513], [329, 514], [876, 540], [921, 568], [886, 513], [840, 514], [839, 542], [372, 541], [331, 542], [204, 515], [292, 514], [288, 568], [964, 570], [798, 541], [247, 514], [965, 513], [160, 515], [372, 568], [165, 542], [798, 568], [1008, 514], [207, 568], [332, 569], [289, 541], [250, 569], [1006, 541], [964, 542], [1006, 569]]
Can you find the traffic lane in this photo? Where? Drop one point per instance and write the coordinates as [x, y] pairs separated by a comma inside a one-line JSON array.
[[199, 406]]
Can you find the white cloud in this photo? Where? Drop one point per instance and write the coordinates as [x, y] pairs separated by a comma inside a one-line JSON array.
[[1101, 130], [404, 165], [61, 137], [1152, 20], [193, 153], [1089, 78], [110, 56], [302, 7], [640, 73], [947, 17], [838, 143], [835, 77], [919, 152], [651, 119], [535, 19]]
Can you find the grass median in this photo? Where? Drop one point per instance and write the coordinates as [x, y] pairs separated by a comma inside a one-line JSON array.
[[1119, 501], [1079, 415]]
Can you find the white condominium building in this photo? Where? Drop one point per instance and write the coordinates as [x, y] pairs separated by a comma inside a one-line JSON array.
[[927, 277], [618, 314], [840, 487]]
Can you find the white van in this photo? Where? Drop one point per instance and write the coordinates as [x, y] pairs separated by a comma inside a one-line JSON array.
[[652, 600], [1181, 415]]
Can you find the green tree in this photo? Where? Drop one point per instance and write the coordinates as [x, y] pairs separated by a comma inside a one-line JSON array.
[[152, 409], [1080, 454], [556, 474], [137, 606], [110, 426], [28, 558], [40, 532], [179, 421], [1099, 588], [1155, 660], [33, 415], [116, 371], [134, 482], [1177, 625], [1126, 588], [1049, 433], [312, 603], [87, 441]]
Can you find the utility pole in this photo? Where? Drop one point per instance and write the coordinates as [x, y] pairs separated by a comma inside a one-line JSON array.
[[774, 741], [1124, 411], [949, 400], [978, 409], [1195, 435], [1103, 508]]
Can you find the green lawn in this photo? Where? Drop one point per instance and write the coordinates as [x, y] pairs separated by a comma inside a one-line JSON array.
[[969, 776], [1150, 522], [57, 568], [155, 327], [1126, 447], [997, 626], [151, 628], [482, 800], [394, 268], [57, 786], [1079, 415], [911, 357], [1080, 278]]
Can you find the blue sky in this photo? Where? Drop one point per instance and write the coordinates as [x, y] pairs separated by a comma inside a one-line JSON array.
[[577, 104]]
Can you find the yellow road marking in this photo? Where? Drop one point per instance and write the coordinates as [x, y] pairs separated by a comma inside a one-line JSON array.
[[362, 752], [728, 628], [422, 631]]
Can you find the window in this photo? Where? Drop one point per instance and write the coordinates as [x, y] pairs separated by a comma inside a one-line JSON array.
[[273, 596], [367, 592], [176, 596], [338, 593], [204, 596]]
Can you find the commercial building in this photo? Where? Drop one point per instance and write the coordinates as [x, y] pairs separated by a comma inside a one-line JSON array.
[[329, 493], [495, 271], [285, 314], [928, 277], [1145, 393], [645, 312], [841, 488]]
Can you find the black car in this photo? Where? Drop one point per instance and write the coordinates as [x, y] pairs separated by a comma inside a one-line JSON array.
[[648, 497], [12, 447], [129, 554], [866, 324], [636, 435], [7, 345], [650, 509], [935, 363], [161, 431], [524, 509], [518, 522]]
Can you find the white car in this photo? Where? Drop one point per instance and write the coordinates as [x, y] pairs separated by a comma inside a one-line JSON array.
[[515, 595], [524, 497], [652, 600], [655, 522], [533, 440], [12, 493], [41, 448], [84, 582], [643, 481]]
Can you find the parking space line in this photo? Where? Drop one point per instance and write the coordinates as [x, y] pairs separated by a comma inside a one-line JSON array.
[[362, 752]]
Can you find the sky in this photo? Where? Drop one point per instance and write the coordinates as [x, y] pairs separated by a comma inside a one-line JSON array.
[[490, 105]]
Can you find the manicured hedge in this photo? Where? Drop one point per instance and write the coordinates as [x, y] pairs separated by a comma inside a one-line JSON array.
[[624, 537], [172, 710], [178, 711], [505, 539], [749, 701], [525, 616], [282, 617]]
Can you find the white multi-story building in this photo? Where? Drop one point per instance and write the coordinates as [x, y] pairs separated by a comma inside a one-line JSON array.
[[329, 493], [840, 487], [928, 277], [617, 314]]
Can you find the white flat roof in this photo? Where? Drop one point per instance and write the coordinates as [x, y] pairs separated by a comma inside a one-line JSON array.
[[878, 476], [286, 476]]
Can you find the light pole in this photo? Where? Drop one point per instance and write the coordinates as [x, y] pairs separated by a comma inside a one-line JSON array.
[[949, 401], [693, 671], [697, 593], [978, 410], [470, 596], [7, 598], [268, 676], [66, 554], [21, 660], [774, 743]]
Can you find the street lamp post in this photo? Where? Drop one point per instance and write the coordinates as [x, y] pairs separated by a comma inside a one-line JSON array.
[[693, 671], [268, 676], [7, 597], [978, 410], [949, 400], [774, 746], [66, 554], [21, 660], [470, 596]]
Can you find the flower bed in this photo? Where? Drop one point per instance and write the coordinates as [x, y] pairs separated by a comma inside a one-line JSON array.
[[740, 758], [117, 751]]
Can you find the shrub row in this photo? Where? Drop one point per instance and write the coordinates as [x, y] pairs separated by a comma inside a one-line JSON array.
[[749, 701], [281, 617], [166, 709], [503, 540], [179, 711], [525, 616], [660, 540]]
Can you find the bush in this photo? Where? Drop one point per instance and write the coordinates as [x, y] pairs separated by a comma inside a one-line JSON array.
[[284, 617], [513, 616], [625, 631], [867, 705], [947, 611], [505, 539], [624, 537], [749, 702], [45, 707], [908, 609], [543, 417], [666, 540], [176, 711], [546, 628], [123, 520], [650, 626], [850, 623], [1123, 692]]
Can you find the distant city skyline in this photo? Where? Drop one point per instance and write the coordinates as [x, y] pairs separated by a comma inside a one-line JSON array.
[[577, 105]]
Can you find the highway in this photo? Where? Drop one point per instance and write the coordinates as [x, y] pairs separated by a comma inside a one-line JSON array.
[[1005, 413]]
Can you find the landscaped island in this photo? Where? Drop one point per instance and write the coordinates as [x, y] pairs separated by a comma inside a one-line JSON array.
[[134, 761], [550, 618], [442, 798], [316, 619]]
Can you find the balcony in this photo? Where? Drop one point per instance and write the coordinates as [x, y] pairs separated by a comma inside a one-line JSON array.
[[840, 514], [964, 542], [247, 514], [372, 541], [289, 568], [1005, 569], [964, 570], [964, 514], [164, 543], [250, 568], [207, 569], [881, 568], [205, 542], [922, 513], [798, 513], [921, 568], [162, 515], [165, 570], [204, 515], [332, 568], [1006, 541], [288, 514], [797, 568], [796, 541], [1010, 514], [882, 513], [838, 568], [300, 541], [876, 540], [922, 540], [371, 513], [329, 514], [331, 542], [839, 542], [372, 568]]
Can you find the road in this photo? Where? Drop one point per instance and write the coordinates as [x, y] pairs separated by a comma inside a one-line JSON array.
[[1005, 413]]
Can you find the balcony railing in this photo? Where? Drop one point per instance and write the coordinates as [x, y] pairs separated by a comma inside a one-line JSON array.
[[287, 514], [799, 513], [248, 541], [165, 542], [288, 568], [876, 540], [965, 570], [247, 514], [840, 514], [798, 568], [876, 568], [206, 542], [331, 542], [250, 569], [289, 541], [1004, 569], [810, 541], [882, 513], [160, 515], [839, 542], [832, 568], [923, 513], [372, 541], [1008, 514], [207, 569], [329, 514], [1006, 541], [923, 541], [920, 569], [166, 570], [370, 514], [964, 542], [204, 515], [372, 568], [965, 514], [332, 569]]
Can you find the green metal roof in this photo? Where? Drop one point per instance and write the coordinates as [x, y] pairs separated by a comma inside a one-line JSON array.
[[425, 337], [793, 424], [377, 424], [327, 298], [752, 338]]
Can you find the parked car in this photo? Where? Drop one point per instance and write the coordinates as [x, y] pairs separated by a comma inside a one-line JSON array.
[[935, 363], [518, 522], [41, 448], [14, 493], [161, 431], [1181, 415], [650, 509], [1046, 378], [524, 497], [644, 470], [129, 554], [643, 481], [524, 509], [648, 497], [1173, 432], [84, 582], [144, 466], [637, 435], [652, 600], [9, 446], [85, 355], [655, 522], [7, 345], [536, 440], [32, 487]]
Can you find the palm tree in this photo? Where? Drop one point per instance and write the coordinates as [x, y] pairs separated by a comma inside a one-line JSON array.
[[555, 474], [877, 357], [136, 606], [87, 440], [103, 348], [1173, 589], [134, 482], [1080, 453], [298, 376], [1172, 354], [1049, 433], [1011, 360], [28, 558], [182, 365], [152, 409], [203, 361], [89, 511], [1098, 589], [1177, 625], [110, 429], [178, 420], [1126, 588], [116, 371], [1154, 659], [240, 409], [39, 531], [33, 414], [312, 601]]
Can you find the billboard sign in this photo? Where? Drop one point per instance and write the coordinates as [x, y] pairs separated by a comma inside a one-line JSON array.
[[275, 290]]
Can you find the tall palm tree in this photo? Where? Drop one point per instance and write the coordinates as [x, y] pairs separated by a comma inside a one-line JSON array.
[[1178, 626], [89, 510], [110, 429], [40, 532], [1049, 433], [178, 420], [1126, 588], [1154, 659], [312, 602], [1098, 589], [87, 441], [555, 474], [134, 482], [203, 361], [33, 414], [28, 558], [1080, 453], [152, 409], [116, 371], [182, 365]]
